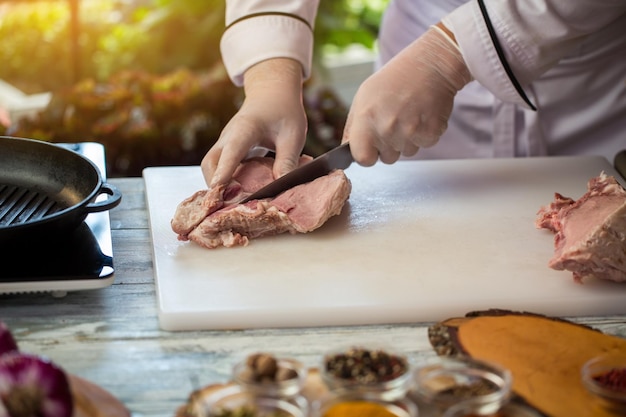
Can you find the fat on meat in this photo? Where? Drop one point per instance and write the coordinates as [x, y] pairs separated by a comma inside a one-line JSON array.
[[249, 177], [213, 218], [590, 233]]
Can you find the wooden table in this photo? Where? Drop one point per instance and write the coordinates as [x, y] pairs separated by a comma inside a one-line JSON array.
[[111, 336]]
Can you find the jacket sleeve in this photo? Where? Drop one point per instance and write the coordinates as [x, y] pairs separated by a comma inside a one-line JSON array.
[[257, 30], [534, 36]]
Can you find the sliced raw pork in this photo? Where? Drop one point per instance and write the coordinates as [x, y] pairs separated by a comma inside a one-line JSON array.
[[590, 233], [212, 218]]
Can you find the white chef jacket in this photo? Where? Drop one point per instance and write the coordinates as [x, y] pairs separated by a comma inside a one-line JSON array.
[[570, 57]]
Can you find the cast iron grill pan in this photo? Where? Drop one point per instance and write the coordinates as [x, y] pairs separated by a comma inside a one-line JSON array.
[[47, 190], [19, 205]]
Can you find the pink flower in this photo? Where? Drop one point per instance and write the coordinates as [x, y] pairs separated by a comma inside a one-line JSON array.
[[32, 386]]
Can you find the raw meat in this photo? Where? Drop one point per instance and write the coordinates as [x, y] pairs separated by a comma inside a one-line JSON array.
[[590, 233], [248, 178], [212, 218]]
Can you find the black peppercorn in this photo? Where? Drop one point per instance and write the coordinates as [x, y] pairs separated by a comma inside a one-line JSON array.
[[366, 366]]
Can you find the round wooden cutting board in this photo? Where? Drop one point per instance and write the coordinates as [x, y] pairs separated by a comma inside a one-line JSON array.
[[544, 354]]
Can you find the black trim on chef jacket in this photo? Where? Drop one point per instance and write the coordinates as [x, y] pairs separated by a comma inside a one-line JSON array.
[[500, 52], [294, 16]]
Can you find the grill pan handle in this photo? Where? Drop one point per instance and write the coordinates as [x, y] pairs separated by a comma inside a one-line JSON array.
[[115, 196]]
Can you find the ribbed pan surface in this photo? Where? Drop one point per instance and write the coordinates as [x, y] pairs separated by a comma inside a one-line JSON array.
[[20, 205]]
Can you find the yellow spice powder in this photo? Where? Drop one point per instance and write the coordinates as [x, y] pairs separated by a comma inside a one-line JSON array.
[[358, 409]]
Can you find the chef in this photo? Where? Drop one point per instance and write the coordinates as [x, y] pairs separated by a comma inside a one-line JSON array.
[[455, 79]]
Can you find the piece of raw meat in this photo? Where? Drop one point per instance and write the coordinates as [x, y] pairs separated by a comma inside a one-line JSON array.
[[249, 177], [590, 233], [212, 218]]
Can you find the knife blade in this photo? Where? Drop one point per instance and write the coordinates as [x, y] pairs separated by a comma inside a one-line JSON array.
[[337, 158]]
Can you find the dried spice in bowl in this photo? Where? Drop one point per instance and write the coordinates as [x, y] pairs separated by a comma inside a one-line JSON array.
[[613, 379], [264, 374], [475, 386], [234, 401], [246, 411], [378, 373], [365, 366], [605, 378]]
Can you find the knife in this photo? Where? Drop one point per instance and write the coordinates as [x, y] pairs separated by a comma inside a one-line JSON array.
[[337, 158]]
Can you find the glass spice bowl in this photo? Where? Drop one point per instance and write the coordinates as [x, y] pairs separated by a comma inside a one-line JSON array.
[[235, 401], [446, 384], [604, 377], [265, 375], [378, 372]]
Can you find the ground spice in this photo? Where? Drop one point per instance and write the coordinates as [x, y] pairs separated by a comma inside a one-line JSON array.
[[614, 379], [358, 409]]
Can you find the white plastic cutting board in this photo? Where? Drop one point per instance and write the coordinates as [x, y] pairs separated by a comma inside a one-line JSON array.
[[418, 241]]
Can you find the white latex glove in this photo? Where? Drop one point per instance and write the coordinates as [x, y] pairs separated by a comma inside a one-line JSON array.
[[272, 116], [406, 104]]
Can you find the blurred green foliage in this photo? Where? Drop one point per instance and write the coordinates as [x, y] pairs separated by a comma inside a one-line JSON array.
[[147, 79], [157, 36], [341, 23], [142, 119]]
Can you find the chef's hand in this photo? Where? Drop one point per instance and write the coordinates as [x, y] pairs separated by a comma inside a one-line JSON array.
[[272, 116], [406, 104]]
